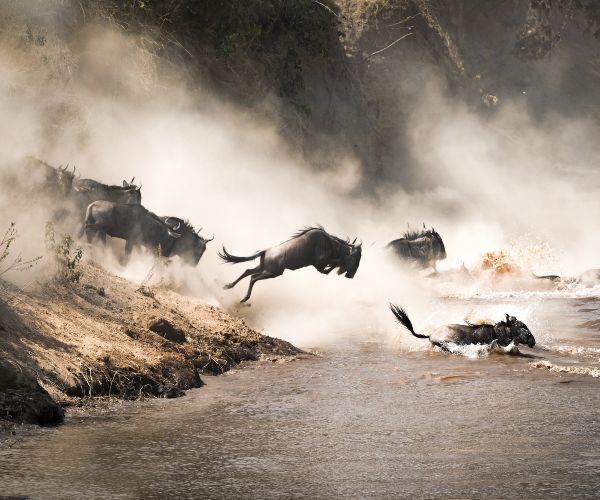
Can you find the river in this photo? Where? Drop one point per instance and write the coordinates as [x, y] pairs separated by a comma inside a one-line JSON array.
[[360, 419]]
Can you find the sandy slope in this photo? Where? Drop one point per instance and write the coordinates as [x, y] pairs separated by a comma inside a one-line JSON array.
[[106, 336]]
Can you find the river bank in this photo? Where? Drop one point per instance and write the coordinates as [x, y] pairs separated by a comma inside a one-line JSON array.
[[65, 346]]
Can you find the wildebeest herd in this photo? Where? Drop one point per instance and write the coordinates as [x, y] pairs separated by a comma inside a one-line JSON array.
[[117, 211]]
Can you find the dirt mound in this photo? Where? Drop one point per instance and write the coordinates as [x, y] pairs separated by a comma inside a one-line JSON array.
[[107, 337], [23, 399]]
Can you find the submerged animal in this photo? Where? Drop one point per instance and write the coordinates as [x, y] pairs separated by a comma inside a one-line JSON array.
[[589, 278], [139, 226], [503, 333], [424, 247], [311, 246]]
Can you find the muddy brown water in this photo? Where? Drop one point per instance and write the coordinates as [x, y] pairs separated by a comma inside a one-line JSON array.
[[361, 420]]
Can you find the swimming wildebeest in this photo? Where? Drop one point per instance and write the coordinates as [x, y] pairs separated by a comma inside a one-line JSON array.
[[312, 246], [502, 333], [424, 247], [139, 226], [589, 278]]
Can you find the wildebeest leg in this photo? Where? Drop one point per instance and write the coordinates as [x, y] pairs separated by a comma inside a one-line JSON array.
[[265, 275], [90, 233], [128, 249], [247, 272], [325, 269]]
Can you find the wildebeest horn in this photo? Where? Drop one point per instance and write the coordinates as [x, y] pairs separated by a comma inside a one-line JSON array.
[[213, 237], [174, 235], [507, 317], [178, 225]]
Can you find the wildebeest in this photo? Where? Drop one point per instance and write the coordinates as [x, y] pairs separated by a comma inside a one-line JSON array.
[[502, 333], [48, 179], [312, 246], [589, 278], [87, 191], [139, 226], [423, 247]]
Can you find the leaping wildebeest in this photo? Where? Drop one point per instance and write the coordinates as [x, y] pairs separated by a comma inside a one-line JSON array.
[[502, 333], [312, 246], [424, 247], [139, 226]]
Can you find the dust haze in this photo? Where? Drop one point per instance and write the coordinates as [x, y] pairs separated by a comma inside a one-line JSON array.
[[495, 179]]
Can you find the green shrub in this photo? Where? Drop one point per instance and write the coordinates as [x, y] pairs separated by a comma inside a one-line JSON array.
[[66, 256]]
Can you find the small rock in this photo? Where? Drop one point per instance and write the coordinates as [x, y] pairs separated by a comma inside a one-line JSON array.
[[166, 330]]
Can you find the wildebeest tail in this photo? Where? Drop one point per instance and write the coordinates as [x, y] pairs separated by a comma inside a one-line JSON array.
[[402, 318], [232, 259]]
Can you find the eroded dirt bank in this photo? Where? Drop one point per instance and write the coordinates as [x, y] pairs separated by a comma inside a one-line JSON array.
[[106, 336]]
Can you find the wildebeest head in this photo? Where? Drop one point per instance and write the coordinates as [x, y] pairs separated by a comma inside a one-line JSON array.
[[65, 178], [133, 193], [513, 330], [189, 245], [438, 249], [351, 260]]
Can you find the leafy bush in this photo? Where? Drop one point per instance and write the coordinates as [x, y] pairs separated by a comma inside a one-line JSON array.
[[66, 256]]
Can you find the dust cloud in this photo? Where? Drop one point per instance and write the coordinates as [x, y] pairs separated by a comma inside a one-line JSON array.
[[107, 105]]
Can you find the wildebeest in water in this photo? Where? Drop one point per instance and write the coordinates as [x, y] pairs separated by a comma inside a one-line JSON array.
[[312, 246], [424, 247], [503, 333], [588, 279], [139, 226]]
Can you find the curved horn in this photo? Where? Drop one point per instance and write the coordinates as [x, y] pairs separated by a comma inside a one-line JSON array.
[[178, 225], [213, 237], [174, 235]]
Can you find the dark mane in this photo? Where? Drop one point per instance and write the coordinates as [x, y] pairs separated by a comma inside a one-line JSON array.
[[188, 226], [131, 187], [306, 229], [413, 234], [477, 325]]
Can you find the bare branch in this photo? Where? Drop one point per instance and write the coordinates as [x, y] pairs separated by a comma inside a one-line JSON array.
[[326, 7], [390, 45]]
